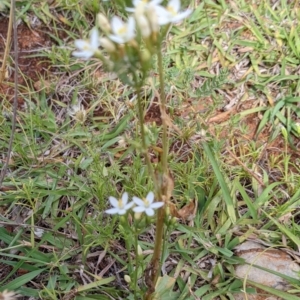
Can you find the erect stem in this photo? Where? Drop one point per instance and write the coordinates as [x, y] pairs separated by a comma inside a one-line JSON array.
[[162, 186], [143, 134], [163, 111], [135, 275]]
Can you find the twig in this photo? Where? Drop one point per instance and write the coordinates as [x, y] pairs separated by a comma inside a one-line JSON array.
[[7, 47], [14, 118]]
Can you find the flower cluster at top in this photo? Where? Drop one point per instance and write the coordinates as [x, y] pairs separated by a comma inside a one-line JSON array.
[[145, 21], [146, 205]]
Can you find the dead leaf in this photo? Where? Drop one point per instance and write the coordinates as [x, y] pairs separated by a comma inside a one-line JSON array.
[[173, 210], [188, 212]]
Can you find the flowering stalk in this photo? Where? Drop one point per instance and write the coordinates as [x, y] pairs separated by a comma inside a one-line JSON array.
[[130, 46], [143, 134], [156, 258]]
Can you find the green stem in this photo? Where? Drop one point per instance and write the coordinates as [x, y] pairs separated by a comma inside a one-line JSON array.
[[161, 192], [136, 265], [165, 144], [143, 134], [128, 246]]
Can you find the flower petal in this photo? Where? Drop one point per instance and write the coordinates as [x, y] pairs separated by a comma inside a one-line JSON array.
[[138, 201], [129, 205], [112, 211], [81, 44], [122, 211], [83, 54], [139, 209], [155, 2], [174, 4], [150, 197], [131, 24], [157, 205], [94, 38], [117, 39], [181, 16], [124, 198], [116, 24], [149, 212], [163, 16], [113, 201]]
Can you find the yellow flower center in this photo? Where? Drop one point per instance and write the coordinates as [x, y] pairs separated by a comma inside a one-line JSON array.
[[120, 204], [122, 30], [146, 202], [171, 10]]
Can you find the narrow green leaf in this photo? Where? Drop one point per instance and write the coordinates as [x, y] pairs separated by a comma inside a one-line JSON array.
[[278, 293], [224, 187], [284, 230], [95, 284], [21, 280], [251, 207]]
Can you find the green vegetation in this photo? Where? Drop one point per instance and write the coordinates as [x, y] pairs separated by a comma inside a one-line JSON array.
[[232, 86]]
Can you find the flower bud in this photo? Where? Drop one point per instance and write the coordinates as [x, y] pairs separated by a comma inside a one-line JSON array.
[[137, 216], [284, 132], [143, 25], [140, 9], [127, 278], [173, 221], [139, 250], [298, 128], [168, 212], [152, 18], [108, 45], [145, 57], [103, 23]]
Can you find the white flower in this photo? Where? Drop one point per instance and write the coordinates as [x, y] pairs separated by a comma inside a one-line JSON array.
[[87, 48], [6, 295], [146, 8], [38, 232], [142, 3], [77, 112], [146, 205], [123, 32], [146, 2], [121, 206], [171, 14]]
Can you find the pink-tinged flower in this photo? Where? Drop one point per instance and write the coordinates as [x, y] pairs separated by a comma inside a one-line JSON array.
[[122, 32], [87, 49], [121, 206], [171, 14], [146, 205]]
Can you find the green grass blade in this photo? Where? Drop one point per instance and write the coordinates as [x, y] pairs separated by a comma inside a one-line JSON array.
[[224, 187], [278, 293], [18, 282]]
